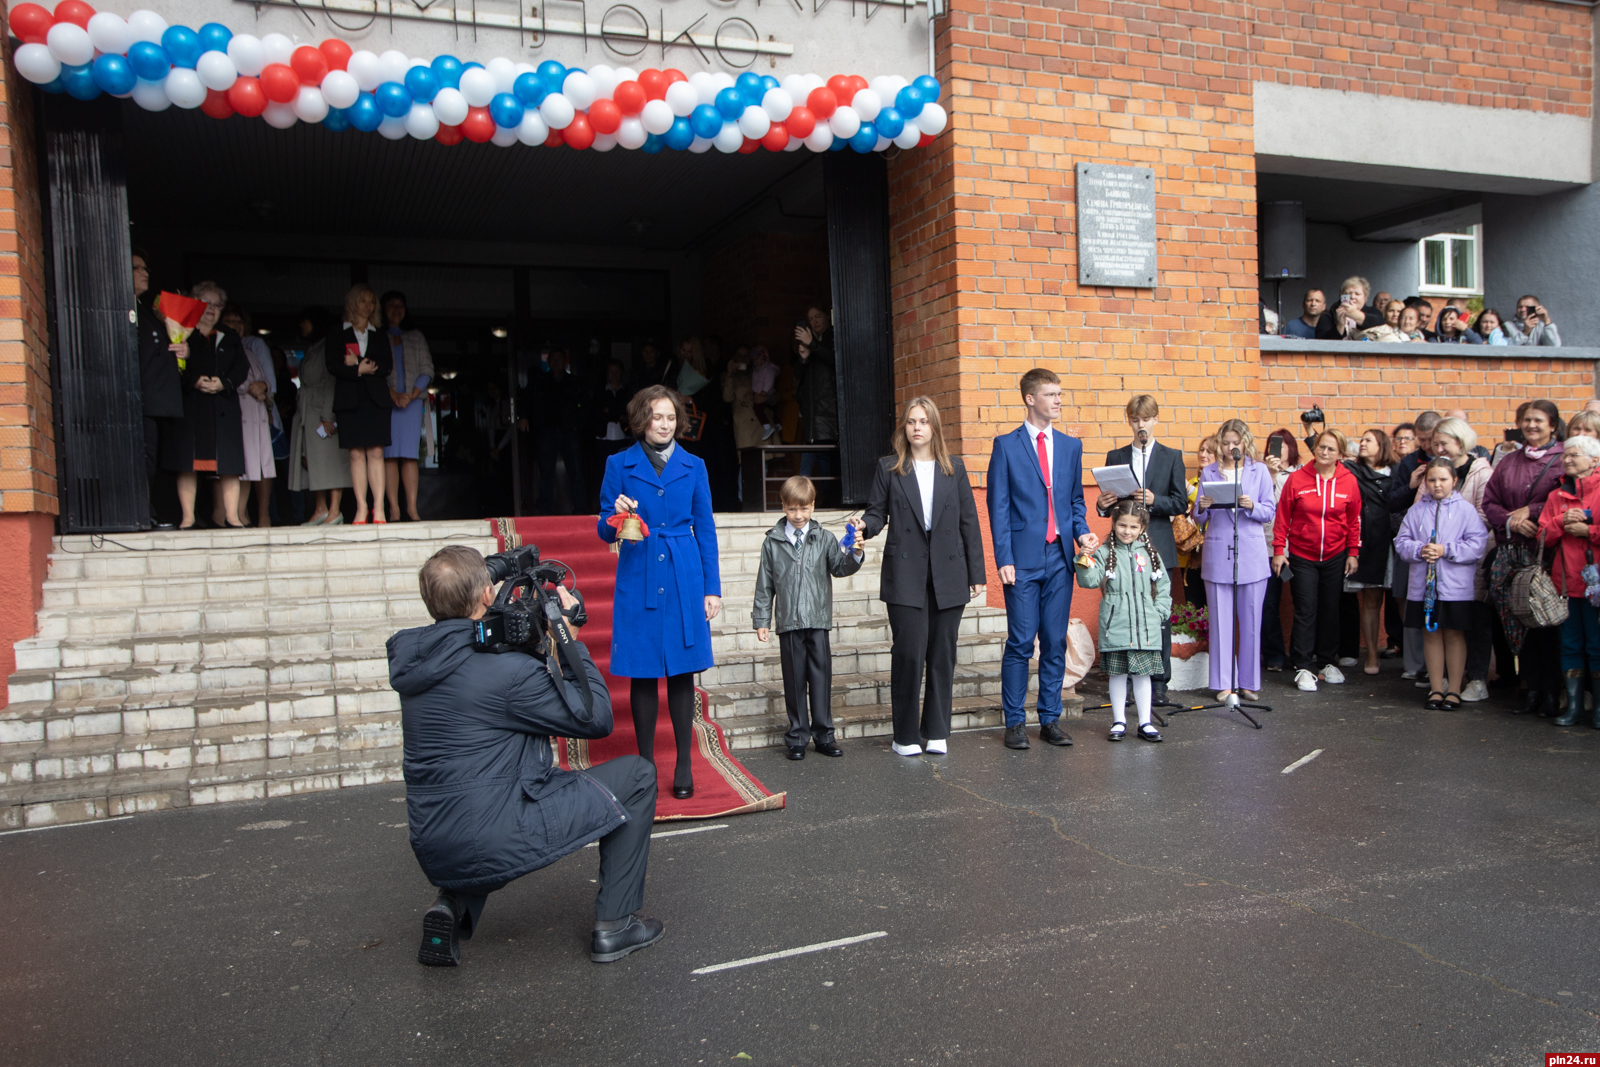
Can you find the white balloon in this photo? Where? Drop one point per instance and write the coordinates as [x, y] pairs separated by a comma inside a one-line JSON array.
[[216, 70], [477, 85], [247, 54], [280, 116], [908, 137], [794, 145], [605, 82], [578, 88], [152, 96], [866, 105], [534, 130], [504, 73], [604, 142], [699, 145], [632, 134], [393, 127], [557, 111], [110, 33], [185, 89], [728, 139], [682, 98], [754, 123], [896, 83], [70, 43], [310, 105], [339, 88], [366, 69], [931, 119], [880, 85], [881, 143], [657, 116], [421, 122], [37, 64], [777, 103], [504, 136], [724, 80], [147, 26], [705, 87], [844, 122], [821, 138], [392, 66], [449, 105], [278, 48], [796, 86], [628, 74], [521, 69]]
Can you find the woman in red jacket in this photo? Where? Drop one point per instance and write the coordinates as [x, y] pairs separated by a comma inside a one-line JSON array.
[[1318, 534]]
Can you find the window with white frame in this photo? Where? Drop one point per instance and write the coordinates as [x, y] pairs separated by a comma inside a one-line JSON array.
[[1451, 264]]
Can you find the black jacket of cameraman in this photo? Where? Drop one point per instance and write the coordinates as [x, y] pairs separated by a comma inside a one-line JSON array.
[[486, 802]]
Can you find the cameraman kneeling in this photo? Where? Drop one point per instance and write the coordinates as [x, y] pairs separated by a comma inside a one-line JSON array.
[[486, 802]]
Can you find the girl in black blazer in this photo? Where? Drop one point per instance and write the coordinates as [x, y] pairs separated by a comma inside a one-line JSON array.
[[360, 360], [932, 565]]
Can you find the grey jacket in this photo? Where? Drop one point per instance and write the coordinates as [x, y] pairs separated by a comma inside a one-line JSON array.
[[1541, 334], [798, 579]]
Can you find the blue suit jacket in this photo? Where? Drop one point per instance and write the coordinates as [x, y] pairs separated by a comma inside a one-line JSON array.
[[1018, 510]]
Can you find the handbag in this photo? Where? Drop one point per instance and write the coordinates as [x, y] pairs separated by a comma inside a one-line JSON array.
[[1534, 598], [1187, 534]]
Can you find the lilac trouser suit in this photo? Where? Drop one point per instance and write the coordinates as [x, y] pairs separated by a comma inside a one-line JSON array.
[[1229, 604]]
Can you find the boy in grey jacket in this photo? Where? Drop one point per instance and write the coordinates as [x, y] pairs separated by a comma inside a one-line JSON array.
[[797, 559]]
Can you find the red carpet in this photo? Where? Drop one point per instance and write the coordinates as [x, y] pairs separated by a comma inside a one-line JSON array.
[[721, 784]]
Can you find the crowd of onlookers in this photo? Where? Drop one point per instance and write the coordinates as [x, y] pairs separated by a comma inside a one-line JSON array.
[[1355, 317]]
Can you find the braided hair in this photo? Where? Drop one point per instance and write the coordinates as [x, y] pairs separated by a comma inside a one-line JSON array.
[[1142, 513]]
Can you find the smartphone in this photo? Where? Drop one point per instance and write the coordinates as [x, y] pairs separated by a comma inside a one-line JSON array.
[[1275, 446], [1514, 436]]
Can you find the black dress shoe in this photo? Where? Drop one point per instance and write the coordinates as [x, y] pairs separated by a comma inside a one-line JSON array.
[[157, 524], [683, 792], [1529, 705], [797, 753], [441, 925], [608, 946], [1052, 734], [828, 748], [1158, 692], [1017, 737]]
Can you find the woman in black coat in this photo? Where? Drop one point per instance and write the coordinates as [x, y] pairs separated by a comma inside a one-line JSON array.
[[932, 565], [211, 436], [361, 362], [1371, 580]]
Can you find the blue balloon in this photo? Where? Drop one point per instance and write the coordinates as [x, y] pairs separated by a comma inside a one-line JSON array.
[[749, 86], [337, 120], [392, 98], [839, 144], [448, 70], [214, 37], [364, 114], [909, 102], [422, 83], [182, 45], [889, 123], [506, 110], [529, 89], [681, 135], [928, 86], [653, 143], [730, 105], [54, 85], [149, 61], [552, 74], [79, 81], [866, 138], [769, 83], [704, 120], [113, 74]]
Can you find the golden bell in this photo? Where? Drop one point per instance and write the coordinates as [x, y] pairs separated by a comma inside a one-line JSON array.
[[632, 529]]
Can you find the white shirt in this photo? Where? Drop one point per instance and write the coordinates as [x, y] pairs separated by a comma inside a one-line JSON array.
[[924, 469], [361, 338], [1140, 459], [1049, 432], [795, 534]]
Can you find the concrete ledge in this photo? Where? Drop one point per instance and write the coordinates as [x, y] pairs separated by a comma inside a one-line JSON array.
[[1271, 343]]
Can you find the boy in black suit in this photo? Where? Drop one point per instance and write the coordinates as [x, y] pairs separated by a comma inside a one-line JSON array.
[[1159, 472]]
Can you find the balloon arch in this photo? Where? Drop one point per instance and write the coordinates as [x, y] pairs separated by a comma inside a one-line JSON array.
[[83, 53]]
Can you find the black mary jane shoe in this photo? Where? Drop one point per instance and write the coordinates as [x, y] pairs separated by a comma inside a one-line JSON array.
[[1148, 732], [1435, 701], [1447, 704], [683, 792], [1119, 730]]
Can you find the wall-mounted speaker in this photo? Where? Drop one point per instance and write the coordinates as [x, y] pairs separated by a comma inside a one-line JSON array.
[[1283, 239]]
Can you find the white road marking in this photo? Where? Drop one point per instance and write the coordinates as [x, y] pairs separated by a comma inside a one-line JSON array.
[[1302, 761], [674, 833], [786, 953], [62, 825]]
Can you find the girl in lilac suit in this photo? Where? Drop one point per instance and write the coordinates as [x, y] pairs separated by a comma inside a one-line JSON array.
[[1241, 604]]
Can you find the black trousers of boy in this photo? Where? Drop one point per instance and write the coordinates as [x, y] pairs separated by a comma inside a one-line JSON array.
[[807, 686], [1317, 588]]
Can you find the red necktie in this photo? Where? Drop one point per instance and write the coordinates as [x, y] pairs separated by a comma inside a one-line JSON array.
[[1049, 491]]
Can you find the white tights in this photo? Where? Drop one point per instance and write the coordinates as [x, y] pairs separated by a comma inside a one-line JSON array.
[[1141, 697]]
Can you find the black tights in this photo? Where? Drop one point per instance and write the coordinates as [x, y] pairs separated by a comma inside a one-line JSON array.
[[646, 704]]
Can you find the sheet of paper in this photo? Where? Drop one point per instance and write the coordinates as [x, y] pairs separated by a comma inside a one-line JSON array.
[[1221, 492], [1118, 480]]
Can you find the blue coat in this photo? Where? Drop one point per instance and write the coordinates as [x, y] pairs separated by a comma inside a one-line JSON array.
[[1018, 510], [659, 625]]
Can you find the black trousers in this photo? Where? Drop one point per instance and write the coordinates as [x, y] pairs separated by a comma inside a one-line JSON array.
[[1350, 625], [566, 444], [922, 668], [1316, 588], [1272, 650], [624, 852], [1480, 642], [807, 686], [159, 484], [1194, 589]]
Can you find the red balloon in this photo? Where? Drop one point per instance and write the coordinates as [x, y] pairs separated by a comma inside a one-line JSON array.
[[217, 105], [448, 134], [605, 116], [246, 97], [338, 54], [925, 140], [630, 97], [777, 138], [309, 64], [842, 89], [800, 122], [555, 140], [579, 133], [822, 103], [675, 75], [655, 84], [279, 83], [74, 11], [31, 23], [750, 145], [857, 83], [478, 125]]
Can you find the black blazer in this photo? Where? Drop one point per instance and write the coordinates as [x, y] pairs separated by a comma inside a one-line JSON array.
[[349, 382], [160, 381], [1166, 478], [952, 550]]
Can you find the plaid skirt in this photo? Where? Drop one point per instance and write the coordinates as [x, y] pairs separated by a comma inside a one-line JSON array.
[[1131, 662]]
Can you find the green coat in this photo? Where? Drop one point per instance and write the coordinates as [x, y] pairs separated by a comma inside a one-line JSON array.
[[1130, 617]]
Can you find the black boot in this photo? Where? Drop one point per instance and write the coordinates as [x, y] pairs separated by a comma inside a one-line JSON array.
[[1549, 705], [441, 929], [1574, 680], [1530, 704]]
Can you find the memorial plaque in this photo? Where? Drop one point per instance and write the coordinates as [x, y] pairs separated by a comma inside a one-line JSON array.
[[1116, 226]]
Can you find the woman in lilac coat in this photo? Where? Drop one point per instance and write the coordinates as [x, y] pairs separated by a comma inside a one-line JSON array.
[[1232, 597]]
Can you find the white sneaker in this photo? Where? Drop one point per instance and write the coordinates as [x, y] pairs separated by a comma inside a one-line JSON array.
[[1332, 675], [937, 748], [1409, 676], [905, 750], [1347, 661], [1305, 681], [1474, 692]]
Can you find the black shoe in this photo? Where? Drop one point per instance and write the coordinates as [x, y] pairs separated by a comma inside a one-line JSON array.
[[157, 524], [683, 792], [1052, 734], [1547, 706], [828, 748], [797, 753], [1158, 692], [1148, 732], [1119, 730], [1530, 704], [1017, 738], [608, 946], [441, 925]]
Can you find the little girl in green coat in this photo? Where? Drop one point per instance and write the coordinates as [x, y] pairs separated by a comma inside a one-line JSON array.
[[1135, 599]]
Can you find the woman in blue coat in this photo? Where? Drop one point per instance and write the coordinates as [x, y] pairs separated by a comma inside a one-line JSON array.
[[668, 585]]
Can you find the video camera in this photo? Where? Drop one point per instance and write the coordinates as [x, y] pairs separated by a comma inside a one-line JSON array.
[[527, 616]]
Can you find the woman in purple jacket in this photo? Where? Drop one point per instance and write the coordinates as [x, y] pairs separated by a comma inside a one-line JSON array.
[[1236, 595], [1443, 536]]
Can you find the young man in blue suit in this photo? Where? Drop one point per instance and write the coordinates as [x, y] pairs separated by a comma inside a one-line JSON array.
[[1036, 508]]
